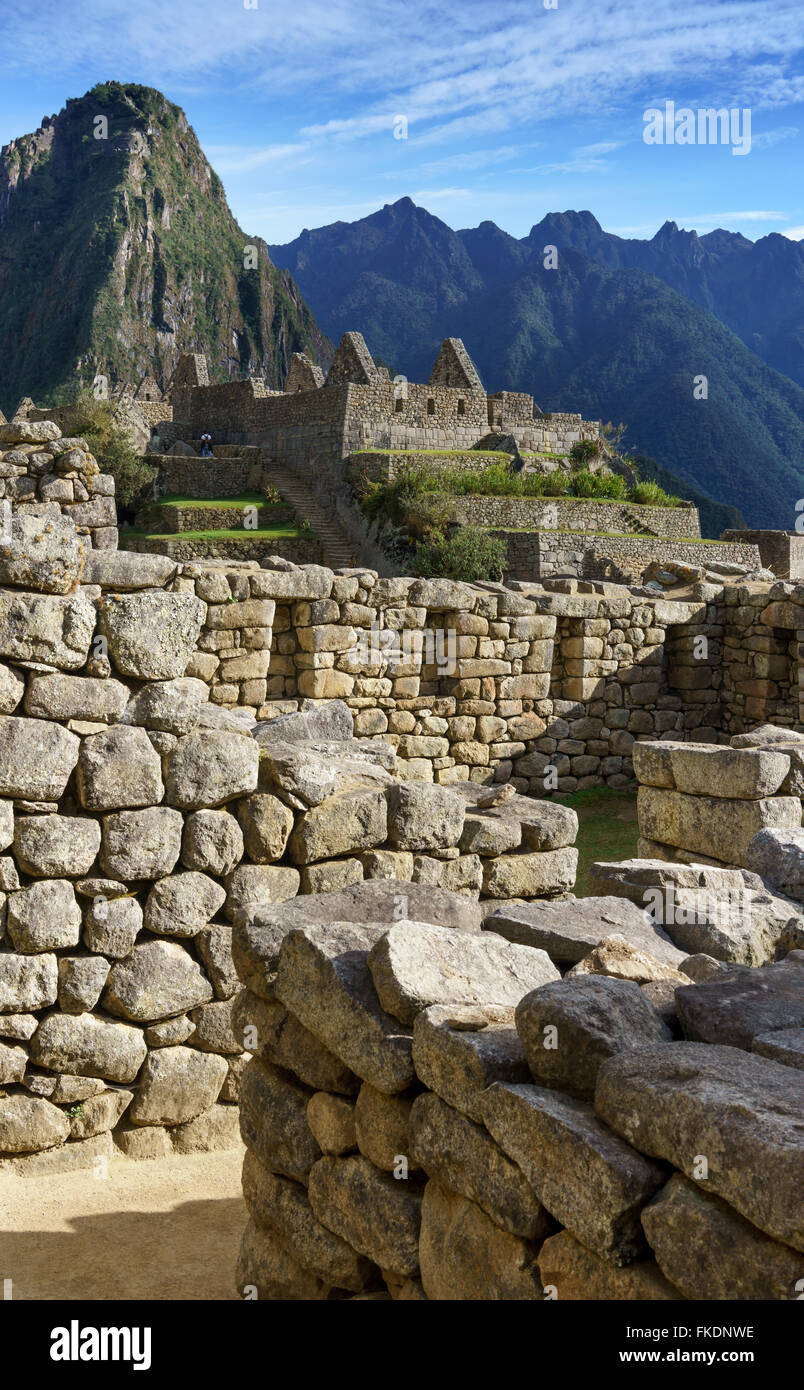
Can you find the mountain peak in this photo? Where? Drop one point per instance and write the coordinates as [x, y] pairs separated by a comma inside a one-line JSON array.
[[113, 210], [568, 222]]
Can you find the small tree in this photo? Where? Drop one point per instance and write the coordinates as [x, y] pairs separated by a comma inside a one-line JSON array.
[[97, 422], [468, 554]]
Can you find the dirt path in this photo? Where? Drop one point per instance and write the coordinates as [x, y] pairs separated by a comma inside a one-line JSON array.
[[164, 1229]]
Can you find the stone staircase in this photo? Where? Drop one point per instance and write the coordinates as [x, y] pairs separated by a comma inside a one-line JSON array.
[[338, 553]]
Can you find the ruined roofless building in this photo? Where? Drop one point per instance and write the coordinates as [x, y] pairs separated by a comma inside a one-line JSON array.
[[315, 423]]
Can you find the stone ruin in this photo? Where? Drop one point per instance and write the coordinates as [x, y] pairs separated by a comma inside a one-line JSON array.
[[596, 1098], [332, 915]]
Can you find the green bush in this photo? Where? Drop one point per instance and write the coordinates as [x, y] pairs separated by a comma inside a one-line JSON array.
[[610, 485], [467, 554], [96, 421], [583, 450], [650, 494], [555, 484]]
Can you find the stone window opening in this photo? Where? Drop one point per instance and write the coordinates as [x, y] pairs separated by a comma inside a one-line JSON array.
[[430, 406], [398, 405], [461, 406]]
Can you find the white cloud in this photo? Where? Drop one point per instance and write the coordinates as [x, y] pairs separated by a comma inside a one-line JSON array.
[[238, 159], [764, 139], [454, 71], [719, 219], [794, 233]]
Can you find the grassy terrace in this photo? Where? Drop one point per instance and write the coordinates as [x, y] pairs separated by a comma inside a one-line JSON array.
[[440, 453], [244, 499], [237, 534]]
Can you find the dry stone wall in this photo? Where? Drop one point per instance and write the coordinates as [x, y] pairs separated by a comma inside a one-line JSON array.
[[138, 818], [43, 475], [544, 1103]]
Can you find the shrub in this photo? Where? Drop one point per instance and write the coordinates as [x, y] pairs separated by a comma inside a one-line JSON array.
[[586, 484], [467, 554], [97, 422], [650, 494], [555, 484], [583, 450]]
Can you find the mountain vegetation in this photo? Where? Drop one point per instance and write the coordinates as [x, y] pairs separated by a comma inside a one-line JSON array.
[[614, 341], [118, 252]]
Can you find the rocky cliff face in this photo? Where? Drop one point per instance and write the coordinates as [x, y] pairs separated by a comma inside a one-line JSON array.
[[118, 252]]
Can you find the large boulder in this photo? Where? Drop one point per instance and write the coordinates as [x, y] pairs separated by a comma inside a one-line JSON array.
[[177, 1083], [571, 1273], [414, 965], [372, 1211], [465, 1256], [119, 769], [282, 1207], [141, 844], [738, 1005], [323, 977], [273, 1120], [568, 929], [44, 553], [158, 979], [345, 822], [588, 1178], [424, 816], [718, 827], [703, 769], [778, 857], [181, 904], [85, 1045], [266, 823], [125, 569], [46, 628], [728, 914], [212, 842], [61, 697], [569, 1028], [56, 846], [463, 1157], [260, 930], [460, 1049], [26, 982], [530, 875], [44, 917], [151, 635], [209, 767], [733, 1260], [174, 707], [36, 758], [685, 1101], [29, 1123]]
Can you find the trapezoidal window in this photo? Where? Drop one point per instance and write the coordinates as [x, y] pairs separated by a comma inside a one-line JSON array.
[[398, 405], [461, 407], [431, 406]]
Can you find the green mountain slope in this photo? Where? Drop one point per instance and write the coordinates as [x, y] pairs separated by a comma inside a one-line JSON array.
[[614, 343], [118, 254]]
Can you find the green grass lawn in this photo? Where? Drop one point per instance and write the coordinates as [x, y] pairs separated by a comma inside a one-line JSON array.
[[472, 453], [244, 499], [259, 533], [607, 829]]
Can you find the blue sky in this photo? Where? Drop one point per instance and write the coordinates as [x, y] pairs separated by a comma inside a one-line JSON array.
[[513, 109]]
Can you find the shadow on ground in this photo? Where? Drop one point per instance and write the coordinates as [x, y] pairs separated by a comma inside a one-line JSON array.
[[188, 1253]]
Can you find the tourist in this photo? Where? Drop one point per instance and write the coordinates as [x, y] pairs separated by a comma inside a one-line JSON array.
[[206, 446]]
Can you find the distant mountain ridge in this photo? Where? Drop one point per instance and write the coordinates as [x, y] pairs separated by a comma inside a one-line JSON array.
[[601, 334], [119, 253]]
